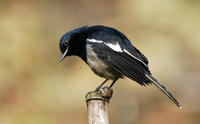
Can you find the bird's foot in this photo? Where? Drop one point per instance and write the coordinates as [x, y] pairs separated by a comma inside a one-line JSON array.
[[104, 93]]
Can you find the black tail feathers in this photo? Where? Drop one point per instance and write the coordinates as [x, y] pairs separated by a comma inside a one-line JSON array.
[[162, 88]]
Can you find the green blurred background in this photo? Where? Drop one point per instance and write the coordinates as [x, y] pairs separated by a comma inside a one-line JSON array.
[[36, 89]]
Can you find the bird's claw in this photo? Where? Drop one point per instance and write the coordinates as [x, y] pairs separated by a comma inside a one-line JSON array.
[[104, 93]]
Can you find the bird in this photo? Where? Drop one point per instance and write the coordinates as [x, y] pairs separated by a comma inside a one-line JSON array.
[[110, 55]]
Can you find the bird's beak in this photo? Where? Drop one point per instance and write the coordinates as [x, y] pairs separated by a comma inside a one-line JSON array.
[[64, 54]]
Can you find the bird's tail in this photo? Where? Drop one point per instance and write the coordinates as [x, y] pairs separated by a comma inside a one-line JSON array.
[[162, 88]]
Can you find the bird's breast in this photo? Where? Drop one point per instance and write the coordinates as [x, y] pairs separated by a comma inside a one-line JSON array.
[[98, 66]]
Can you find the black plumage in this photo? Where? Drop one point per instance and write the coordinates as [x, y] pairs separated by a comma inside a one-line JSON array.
[[109, 54]]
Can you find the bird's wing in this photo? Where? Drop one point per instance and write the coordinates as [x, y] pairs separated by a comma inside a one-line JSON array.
[[129, 62], [124, 60], [113, 36], [135, 53], [131, 49]]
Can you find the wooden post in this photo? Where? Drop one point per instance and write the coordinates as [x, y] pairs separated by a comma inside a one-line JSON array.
[[97, 105]]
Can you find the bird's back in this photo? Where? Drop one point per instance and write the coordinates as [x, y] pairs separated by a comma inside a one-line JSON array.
[[111, 35], [108, 44]]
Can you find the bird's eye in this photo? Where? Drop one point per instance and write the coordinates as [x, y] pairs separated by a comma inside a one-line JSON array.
[[66, 43]]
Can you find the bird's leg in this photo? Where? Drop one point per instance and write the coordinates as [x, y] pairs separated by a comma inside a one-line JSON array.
[[113, 82], [104, 93], [101, 85]]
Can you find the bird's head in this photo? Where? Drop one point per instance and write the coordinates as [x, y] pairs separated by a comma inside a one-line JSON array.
[[69, 43]]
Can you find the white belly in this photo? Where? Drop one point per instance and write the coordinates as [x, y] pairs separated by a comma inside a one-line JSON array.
[[98, 66]]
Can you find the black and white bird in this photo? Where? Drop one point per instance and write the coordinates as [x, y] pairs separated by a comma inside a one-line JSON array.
[[110, 55]]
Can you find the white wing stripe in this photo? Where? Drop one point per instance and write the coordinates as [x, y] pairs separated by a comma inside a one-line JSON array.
[[134, 57], [115, 47], [94, 41]]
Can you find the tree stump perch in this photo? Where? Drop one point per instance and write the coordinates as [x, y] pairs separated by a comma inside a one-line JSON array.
[[97, 105]]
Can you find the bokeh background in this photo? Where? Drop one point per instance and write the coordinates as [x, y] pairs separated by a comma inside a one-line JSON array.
[[36, 89]]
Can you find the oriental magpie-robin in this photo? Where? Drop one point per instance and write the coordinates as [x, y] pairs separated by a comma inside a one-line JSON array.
[[109, 54]]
